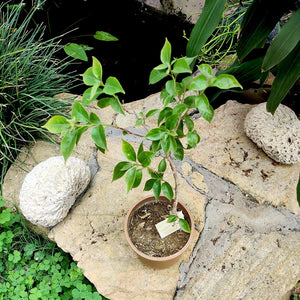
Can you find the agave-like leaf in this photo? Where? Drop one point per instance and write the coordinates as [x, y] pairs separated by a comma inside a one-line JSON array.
[[259, 20], [284, 42], [206, 24], [288, 72]]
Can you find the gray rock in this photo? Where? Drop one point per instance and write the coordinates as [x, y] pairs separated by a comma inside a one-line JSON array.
[[51, 188], [245, 251], [278, 135]]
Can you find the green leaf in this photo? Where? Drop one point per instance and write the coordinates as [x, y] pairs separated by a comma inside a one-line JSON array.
[[189, 123], [205, 109], [145, 158], [67, 144], [179, 109], [171, 122], [121, 168], [184, 225], [198, 84], [128, 151], [179, 130], [138, 178], [76, 51], [80, 132], [141, 148], [156, 188], [165, 144], [288, 71], [167, 190], [181, 65], [246, 72], [257, 24], [116, 105], [94, 119], [157, 75], [172, 218], [57, 124], [205, 69], [105, 36], [98, 136], [97, 68], [225, 81], [112, 86], [179, 153], [171, 87], [168, 99], [88, 98], [5, 216], [149, 184], [167, 111], [284, 42], [173, 144], [79, 113], [162, 166], [161, 67], [193, 138], [155, 134], [155, 146], [130, 179], [165, 54], [139, 122], [206, 24], [152, 112], [104, 102], [89, 78]]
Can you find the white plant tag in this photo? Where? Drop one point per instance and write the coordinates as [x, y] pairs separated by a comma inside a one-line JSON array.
[[164, 229]]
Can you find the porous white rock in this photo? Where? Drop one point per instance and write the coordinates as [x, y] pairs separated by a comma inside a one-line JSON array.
[[278, 135], [51, 188]]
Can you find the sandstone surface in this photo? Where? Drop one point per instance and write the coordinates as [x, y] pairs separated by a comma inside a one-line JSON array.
[[233, 190]]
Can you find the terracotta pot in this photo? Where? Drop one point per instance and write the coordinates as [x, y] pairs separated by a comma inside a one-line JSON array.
[[159, 262]]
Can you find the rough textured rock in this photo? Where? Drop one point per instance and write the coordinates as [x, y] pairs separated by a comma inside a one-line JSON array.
[[93, 234], [245, 251], [191, 8], [51, 188], [227, 151], [256, 238], [278, 135]]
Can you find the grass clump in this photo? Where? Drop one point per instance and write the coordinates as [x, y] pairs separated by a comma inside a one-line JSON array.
[[30, 75], [32, 267]]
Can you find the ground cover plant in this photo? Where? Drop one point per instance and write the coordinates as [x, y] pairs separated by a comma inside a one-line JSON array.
[[32, 267], [30, 75]]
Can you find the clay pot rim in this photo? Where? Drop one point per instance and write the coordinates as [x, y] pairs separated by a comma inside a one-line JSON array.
[[154, 258]]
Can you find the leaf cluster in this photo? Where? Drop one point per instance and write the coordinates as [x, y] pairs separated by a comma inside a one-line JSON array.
[[174, 123], [34, 268]]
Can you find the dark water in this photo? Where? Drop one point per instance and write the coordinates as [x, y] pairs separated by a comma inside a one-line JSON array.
[[141, 33]]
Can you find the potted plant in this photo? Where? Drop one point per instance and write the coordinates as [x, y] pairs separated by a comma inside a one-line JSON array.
[[174, 134]]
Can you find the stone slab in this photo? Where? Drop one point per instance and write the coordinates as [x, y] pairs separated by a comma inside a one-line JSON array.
[[93, 234], [227, 151], [246, 251], [236, 216]]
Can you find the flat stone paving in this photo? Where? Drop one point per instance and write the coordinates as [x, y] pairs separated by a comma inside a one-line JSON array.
[[247, 244]]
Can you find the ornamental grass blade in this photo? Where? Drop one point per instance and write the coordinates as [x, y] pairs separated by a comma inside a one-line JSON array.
[[284, 42], [288, 72], [259, 20], [206, 24]]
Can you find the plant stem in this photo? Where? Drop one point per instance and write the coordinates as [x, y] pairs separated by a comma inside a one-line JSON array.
[[175, 175]]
